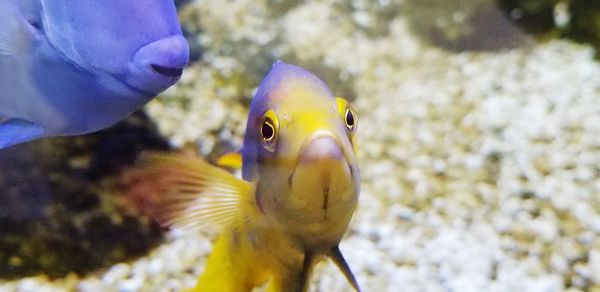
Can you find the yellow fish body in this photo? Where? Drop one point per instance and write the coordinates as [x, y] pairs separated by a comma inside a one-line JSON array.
[[299, 189]]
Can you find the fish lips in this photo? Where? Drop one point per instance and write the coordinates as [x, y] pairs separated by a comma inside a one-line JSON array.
[[158, 65], [320, 148]]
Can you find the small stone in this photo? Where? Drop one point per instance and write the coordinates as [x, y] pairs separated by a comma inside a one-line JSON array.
[[594, 263], [116, 273]]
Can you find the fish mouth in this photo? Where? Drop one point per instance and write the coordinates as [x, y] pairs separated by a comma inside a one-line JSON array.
[[156, 66], [167, 71]]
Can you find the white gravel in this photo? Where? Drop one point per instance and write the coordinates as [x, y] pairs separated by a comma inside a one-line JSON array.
[[481, 171]]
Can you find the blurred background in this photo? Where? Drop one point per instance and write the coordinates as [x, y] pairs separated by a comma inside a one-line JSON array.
[[479, 147]]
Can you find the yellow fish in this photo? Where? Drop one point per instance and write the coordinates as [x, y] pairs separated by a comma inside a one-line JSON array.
[[299, 189]]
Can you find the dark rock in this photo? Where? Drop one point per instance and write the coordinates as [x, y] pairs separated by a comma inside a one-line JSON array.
[[584, 25], [537, 17], [534, 16], [20, 173], [460, 25], [60, 211]]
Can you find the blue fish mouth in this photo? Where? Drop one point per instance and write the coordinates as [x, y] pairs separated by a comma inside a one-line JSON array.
[[167, 71]]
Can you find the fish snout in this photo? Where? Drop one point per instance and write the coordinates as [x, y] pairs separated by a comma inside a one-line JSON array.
[[159, 64], [321, 149]]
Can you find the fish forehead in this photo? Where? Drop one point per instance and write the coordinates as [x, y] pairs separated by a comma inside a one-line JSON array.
[[301, 118], [287, 83], [301, 101], [107, 33]]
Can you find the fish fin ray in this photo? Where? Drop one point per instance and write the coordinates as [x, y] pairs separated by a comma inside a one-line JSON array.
[[336, 255], [15, 32], [15, 131], [307, 266], [188, 192]]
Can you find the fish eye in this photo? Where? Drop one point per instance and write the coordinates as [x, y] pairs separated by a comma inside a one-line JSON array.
[[347, 114], [350, 119], [268, 130]]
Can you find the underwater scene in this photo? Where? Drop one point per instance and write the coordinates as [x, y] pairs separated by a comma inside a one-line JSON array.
[[276, 145]]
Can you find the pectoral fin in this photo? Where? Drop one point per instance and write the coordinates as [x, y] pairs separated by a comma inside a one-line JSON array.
[[188, 192], [336, 255], [15, 131], [307, 265], [309, 261]]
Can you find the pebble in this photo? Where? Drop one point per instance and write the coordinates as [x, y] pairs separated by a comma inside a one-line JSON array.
[[479, 169]]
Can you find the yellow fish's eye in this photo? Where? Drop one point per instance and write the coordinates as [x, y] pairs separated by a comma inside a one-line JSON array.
[[348, 114], [350, 119], [269, 129]]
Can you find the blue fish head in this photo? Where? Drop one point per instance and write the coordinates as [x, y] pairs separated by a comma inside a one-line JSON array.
[[139, 42]]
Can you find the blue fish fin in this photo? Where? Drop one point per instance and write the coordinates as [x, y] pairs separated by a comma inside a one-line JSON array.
[[15, 131], [16, 34]]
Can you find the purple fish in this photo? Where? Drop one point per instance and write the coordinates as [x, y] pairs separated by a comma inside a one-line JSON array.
[[70, 67]]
